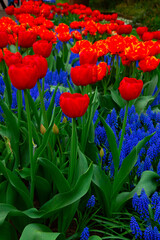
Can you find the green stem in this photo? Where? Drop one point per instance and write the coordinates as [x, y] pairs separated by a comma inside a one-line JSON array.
[[123, 128], [17, 46], [19, 92], [42, 105], [30, 145], [73, 155], [43, 80], [133, 69]]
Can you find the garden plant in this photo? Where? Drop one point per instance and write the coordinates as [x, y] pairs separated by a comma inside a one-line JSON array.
[[79, 125]]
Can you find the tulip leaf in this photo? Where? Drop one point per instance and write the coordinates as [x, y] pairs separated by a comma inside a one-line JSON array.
[[152, 85], [16, 183], [148, 182], [117, 98], [43, 189], [44, 143], [8, 232], [127, 165], [104, 188], [51, 105], [57, 176], [7, 81], [112, 143], [94, 237], [142, 103], [34, 110], [13, 129], [62, 200], [38, 231]]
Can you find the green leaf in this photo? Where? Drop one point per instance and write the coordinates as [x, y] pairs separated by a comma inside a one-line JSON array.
[[94, 237], [117, 98], [148, 182], [7, 232], [152, 85], [44, 143], [7, 81], [40, 232], [59, 64], [50, 61], [106, 101], [34, 110], [51, 105], [57, 176], [13, 129], [142, 102], [127, 165], [112, 143], [102, 181], [16, 182], [43, 189], [13, 48], [62, 200]]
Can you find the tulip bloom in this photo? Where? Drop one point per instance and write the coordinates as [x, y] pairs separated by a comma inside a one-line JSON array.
[[12, 58], [9, 10], [26, 39], [88, 73], [23, 76], [3, 39], [64, 36], [149, 64], [84, 74], [130, 88], [74, 105], [39, 61], [88, 56], [43, 48]]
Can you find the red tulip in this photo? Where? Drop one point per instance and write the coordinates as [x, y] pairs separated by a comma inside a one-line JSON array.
[[43, 48], [149, 64], [9, 10], [12, 58], [130, 88], [23, 76], [88, 56], [3, 39], [26, 39], [84, 74], [40, 62], [74, 105]]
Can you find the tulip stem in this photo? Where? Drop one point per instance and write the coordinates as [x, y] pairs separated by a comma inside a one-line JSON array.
[[19, 92], [30, 145], [43, 86], [42, 105], [123, 127], [17, 46], [73, 154]]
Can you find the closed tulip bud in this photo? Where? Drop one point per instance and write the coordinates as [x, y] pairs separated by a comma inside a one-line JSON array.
[[55, 129], [42, 129], [64, 120], [101, 153]]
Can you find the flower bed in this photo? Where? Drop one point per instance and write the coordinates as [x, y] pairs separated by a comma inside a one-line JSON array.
[[80, 125]]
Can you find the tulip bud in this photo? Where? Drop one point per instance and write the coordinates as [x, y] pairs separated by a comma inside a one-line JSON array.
[[101, 153], [64, 120], [42, 129], [55, 129]]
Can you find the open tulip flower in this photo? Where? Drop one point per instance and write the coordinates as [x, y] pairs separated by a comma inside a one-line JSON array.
[[130, 88], [74, 105]]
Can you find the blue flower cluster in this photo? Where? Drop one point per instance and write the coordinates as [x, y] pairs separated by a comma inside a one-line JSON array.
[[140, 204], [85, 234], [150, 217], [137, 128], [91, 202]]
